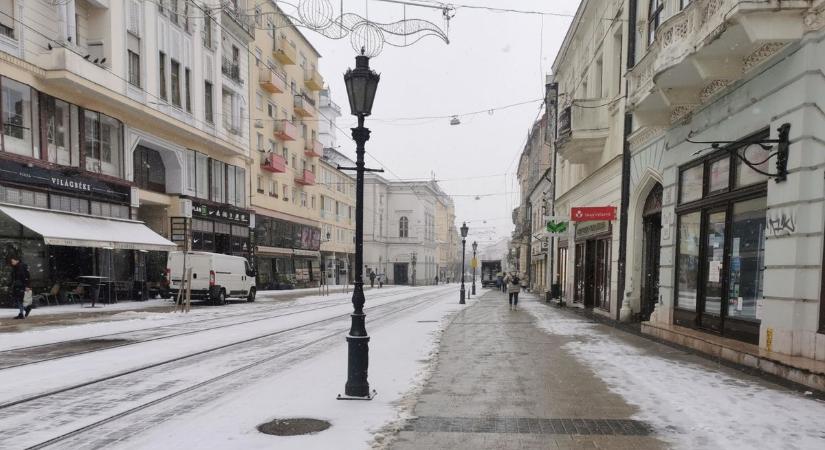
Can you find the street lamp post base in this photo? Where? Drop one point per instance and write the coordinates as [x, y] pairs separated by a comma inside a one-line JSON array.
[[461, 301], [358, 359]]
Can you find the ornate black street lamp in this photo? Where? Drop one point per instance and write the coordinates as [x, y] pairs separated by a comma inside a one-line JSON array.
[[464, 230], [475, 247], [361, 86]]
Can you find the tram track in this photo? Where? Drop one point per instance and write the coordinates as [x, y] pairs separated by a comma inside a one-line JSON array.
[[379, 313], [7, 357]]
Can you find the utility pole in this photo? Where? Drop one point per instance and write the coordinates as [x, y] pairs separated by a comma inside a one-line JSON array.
[[551, 101]]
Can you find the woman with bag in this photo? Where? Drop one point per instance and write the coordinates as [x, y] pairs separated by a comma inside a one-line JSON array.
[[19, 287], [513, 288]]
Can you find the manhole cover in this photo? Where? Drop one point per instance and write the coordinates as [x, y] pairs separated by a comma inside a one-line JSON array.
[[293, 427]]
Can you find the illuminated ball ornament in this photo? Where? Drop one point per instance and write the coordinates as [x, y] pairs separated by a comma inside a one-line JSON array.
[[367, 39], [315, 14]]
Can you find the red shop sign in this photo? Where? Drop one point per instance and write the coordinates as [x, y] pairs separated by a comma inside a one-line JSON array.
[[591, 213]]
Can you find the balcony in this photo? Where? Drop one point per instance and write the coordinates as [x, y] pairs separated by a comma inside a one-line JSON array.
[[232, 70], [272, 80], [313, 148], [307, 178], [582, 130], [705, 47], [313, 80], [285, 130], [304, 106], [274, 163], [283, 51], [237, 19]]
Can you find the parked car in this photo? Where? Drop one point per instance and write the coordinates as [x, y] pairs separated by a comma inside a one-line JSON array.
[[215, 277]]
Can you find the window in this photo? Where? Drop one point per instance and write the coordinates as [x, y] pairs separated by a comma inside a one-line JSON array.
[[149, 170], [68, 204], [690, 185], [304, 199], [188, 85], [271, 110], [719, 175], [259, 184], [173, 11], [102, 144], [162, 75], [208, 102], [202, 176], [747, 263], [133, 54], [217, 192], [273, 188], [17, 118], [313, 201], [206, 32], [7, 18], [655, 9], [231, 186], [191, 182], [175, 75], [258, 17], [259, 100], [404, 227], [273, 146], [285, 192], [61, 131]]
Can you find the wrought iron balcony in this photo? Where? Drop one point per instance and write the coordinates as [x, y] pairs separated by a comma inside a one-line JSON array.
[[232, 70], [304, 106]]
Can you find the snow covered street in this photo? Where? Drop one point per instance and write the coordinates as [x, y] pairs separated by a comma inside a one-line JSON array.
[[167, 372]]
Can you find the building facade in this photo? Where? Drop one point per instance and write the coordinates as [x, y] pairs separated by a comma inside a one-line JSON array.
[[285, 85], [400, 230], [337, 217], [588, 146], [128, 107], [722, 242], [445, 236]]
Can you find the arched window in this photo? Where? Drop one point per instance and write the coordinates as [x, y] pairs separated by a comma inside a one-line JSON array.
[[403, 227]]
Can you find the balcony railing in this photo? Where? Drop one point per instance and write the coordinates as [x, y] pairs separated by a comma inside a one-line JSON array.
[[274, 163], [239, 20], [682, 66], [285, 130], [313, 80], [304, 106], [272, 80], [313, 148], [583, 129], [232, 70], [307, 178], [283, 51]]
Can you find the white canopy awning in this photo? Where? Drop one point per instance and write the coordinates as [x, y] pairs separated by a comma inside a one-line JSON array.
[[75, 230]]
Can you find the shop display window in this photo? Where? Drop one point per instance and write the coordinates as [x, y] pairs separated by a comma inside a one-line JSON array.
[[16, 115]]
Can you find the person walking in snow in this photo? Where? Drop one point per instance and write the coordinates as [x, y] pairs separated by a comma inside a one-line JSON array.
[[18, 285], [372, 279], [513, 288]]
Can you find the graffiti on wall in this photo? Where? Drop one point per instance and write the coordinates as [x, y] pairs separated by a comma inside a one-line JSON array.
[[781, 222]]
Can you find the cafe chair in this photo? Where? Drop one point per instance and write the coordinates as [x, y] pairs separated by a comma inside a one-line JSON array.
[[46, 297]]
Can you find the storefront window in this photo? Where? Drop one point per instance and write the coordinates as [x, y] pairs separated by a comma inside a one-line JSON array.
[[690, 185], [17, 118], [688, 268], [24, 197], [714, 267], [69, 204], [747, 258]]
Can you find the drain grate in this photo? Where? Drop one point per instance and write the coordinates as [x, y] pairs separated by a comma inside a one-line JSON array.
[[523, 425]]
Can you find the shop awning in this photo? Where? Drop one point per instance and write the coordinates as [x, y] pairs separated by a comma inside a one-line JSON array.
[[75, 230]]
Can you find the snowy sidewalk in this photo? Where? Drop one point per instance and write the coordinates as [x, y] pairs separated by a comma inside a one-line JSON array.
[[503, 383], [546, 378]]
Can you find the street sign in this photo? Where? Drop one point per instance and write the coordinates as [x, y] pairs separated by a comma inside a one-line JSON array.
[[473, 263], [557, 226], [590, 213]]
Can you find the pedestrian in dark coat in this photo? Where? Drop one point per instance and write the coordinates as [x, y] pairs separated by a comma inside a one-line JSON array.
[[513, 289], [19, 284], [372, 279]]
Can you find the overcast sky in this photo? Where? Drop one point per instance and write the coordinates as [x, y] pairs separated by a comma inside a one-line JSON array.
[[493, 59]]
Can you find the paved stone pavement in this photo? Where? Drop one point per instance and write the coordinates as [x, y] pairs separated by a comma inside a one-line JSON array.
[[499, 384]]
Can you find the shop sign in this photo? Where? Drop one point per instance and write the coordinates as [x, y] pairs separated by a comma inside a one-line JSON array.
[[57, 180], [225, 213], [589, 229], [557, 226], [591, 213]]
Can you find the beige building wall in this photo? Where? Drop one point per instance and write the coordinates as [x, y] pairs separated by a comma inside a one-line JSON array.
[[285, 85]]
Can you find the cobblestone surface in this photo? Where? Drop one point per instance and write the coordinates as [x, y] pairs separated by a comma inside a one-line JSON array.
[[503, 383]]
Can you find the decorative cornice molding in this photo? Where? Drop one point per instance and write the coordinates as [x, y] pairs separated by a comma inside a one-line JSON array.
[[761, 54], [644, 135]]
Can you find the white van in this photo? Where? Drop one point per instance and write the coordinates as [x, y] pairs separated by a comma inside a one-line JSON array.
[[215, 277]]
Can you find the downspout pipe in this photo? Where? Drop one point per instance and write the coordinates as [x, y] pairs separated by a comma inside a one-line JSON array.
[[626, 161]]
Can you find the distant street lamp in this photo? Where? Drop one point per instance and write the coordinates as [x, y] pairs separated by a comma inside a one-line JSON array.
[[475, 247], [361, 86], [464, 231]]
